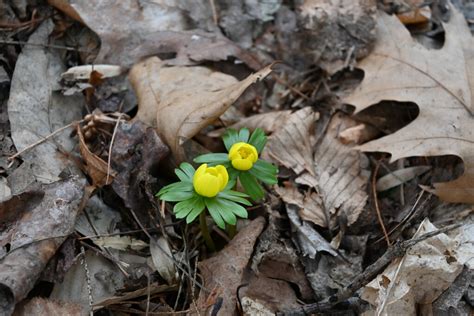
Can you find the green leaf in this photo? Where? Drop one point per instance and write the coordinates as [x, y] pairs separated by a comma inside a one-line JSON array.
[[176, 186], [268, 178], [176, 196], [231, 184], [226, 213], [237, 209], [183, 208], [228, 196], [188, 169], [197, 209], [212, 158], [182, 175], [244, 135], [266, 166], [213, 208], [230, 137], [258, 139], [251, 186]]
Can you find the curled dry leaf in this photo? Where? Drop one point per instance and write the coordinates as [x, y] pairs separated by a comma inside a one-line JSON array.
[[292, 144], [440, 82], [223, 273], [184, 99], [95, 167], [84, 72], [161, 256]]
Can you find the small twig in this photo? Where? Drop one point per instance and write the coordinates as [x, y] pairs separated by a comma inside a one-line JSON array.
[[377, 209], [395, 251], [289, 86], [148, 295], [8, 42], [88, 280], [215, 18], [110, 147], [44, 139]]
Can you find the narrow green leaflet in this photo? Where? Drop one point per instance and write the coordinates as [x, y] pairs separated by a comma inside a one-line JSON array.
[[235, 208], [176, 196], [244, 134], [188, 169], [229, 196], [251, 186], [226, 212], [213, 209], [265, 166], [182, 175], [177, 186], [183, 208], [258, 139], [212, 158], [230, 137], [197, 209]]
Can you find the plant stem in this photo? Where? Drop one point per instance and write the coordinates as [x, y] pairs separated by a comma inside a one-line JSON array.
[[205, 231], [231, 230]]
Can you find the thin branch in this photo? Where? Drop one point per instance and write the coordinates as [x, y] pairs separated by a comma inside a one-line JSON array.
[[377, 209]]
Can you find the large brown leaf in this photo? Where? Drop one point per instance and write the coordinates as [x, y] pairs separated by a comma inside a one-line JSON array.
[[180, 101], [440, 82]]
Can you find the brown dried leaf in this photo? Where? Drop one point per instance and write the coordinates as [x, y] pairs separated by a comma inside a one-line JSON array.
[[43, 306], [184, 99], [341, 172], [440, 82], [310, 204], [95, 167], [292, 144], [223, 273]]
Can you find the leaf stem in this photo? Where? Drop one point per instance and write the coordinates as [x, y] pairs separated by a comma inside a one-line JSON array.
[[205, 232]]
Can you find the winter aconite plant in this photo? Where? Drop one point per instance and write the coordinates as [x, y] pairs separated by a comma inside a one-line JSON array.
[[205, 188], [242, 160]]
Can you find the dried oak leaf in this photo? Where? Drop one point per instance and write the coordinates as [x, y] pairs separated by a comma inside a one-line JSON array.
[[440, 82], [184, 99]]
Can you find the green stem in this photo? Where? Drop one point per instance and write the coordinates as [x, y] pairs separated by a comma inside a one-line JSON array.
[[231, 230], [205, 231]]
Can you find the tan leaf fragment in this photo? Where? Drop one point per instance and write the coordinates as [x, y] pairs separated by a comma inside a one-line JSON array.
[[292, 144], [184, 99], [223, 273], [341, 172], [440, 82], [309, 204], [95, 167], [269, 122]]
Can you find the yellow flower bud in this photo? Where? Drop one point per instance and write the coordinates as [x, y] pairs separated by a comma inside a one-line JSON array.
[[208, 181], [243, 156]]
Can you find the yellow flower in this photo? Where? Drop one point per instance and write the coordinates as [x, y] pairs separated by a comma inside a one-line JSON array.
[[208, 181], [243, 156]]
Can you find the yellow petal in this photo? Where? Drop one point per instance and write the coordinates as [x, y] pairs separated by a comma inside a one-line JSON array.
[[200, 171], [254, 155], [207, 185], [234, 150], [222, 171], [242, 164]]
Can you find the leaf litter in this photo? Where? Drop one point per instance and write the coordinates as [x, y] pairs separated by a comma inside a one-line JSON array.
[[98, 132]]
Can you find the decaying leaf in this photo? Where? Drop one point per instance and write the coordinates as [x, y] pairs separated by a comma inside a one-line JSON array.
[[341, 173], [43, 306], [310, 204], [223, 273], [162, 259], [292, 144], [84, 72], [131, 30], [35, 238], [99, 171], [427, 269], [400, 176], [440, 82], [309, 240], [269, 122], [184, 99], [36, 108]]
